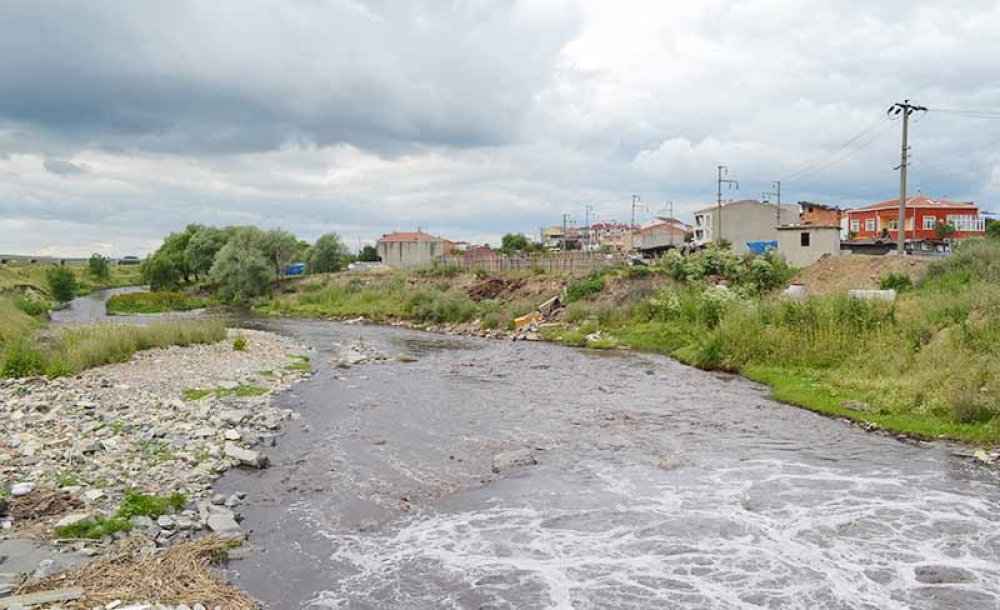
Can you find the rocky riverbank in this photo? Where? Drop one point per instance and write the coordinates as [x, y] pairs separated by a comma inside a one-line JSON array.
[[161, 427]]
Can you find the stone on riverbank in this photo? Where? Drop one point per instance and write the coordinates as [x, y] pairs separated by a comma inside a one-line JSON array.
[[513, 459]]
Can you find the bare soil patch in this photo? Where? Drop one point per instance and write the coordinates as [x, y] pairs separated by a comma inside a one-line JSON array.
[[837, 274]]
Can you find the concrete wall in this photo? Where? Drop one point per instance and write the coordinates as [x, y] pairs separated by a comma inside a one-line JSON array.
[[404, 254], [748, 221], [822, 241]]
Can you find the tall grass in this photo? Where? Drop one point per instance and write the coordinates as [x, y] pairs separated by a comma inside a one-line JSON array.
[[152, 302], [70, 350]]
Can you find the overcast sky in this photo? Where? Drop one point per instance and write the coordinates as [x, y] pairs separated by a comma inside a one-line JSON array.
[[121, 120]]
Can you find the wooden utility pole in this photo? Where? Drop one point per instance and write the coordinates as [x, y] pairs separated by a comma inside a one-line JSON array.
[[723, 170], [904, 109]]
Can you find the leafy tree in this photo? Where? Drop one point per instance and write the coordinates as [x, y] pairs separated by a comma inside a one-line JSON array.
[[993, 228], [240, 270], [514, 242], [99, 267], [369, 254], [62, 283], [278, 248], [203, 245], [944, 230], [326, 255], [160, 273]]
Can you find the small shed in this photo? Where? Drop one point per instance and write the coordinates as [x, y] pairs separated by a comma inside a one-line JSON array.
[[803, 245]]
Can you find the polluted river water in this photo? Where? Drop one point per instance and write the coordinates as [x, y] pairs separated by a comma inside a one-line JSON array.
[[655, 486]]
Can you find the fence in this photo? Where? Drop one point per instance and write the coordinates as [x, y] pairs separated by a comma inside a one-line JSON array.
[[554, 262]]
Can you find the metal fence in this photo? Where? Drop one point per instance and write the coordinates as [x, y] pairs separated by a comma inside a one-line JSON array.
[[551, 262]]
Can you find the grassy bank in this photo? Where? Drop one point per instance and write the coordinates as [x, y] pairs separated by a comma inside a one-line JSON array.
[[152, 302], [926, 365], [70, 350], [17, 276]]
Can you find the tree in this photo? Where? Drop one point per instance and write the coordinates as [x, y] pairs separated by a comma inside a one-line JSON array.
[[240, 270], [992, 228], [514, 242], [98, 267], [326, 255], [369, 254], [944, 230], [62, 283], [202, 247], [160, 273], [278, 248]]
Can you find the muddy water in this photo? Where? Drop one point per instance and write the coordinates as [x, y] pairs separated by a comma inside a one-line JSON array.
[[657, 486]]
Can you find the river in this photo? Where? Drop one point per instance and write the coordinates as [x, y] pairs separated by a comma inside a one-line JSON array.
[[657, 486]]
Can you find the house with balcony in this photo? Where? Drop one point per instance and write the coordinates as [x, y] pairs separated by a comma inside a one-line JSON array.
[[880, 221]]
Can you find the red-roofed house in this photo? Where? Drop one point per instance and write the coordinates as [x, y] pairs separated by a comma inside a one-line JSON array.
[[411, 248], [923, 215]]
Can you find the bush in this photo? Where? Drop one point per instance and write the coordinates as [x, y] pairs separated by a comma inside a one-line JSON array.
[[428, 305], [99, 267], [900, 282], [240, 343], [31, 305], [587, 287], [62, 283], [327, 255]]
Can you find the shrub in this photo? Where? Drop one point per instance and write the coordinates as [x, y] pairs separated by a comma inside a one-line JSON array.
[[62, 283], [584, 288], [21, 360], [900, 282], [31, 305], [428, 305], [99, 267], [240, 343]]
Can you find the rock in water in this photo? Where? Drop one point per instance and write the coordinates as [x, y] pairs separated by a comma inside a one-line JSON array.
[[222, 523], [513, 459], [246, 457]]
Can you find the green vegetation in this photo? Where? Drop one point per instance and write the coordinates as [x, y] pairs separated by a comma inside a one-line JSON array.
[[152, 302], [327, 255], [99, 267], [243, 391], [900, 282], [93, 528], [368, 254], [71, 350], [925, 365], [240, 343], [62, 283], [587, 287], [134, 504]]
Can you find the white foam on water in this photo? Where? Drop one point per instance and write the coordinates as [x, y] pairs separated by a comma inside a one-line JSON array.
[[763, 534]]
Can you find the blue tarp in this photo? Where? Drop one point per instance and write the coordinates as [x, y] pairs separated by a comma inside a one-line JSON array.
[[295, 269], [760, 247]]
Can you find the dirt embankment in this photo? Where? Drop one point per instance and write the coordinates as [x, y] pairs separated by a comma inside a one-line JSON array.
[[837, 274]]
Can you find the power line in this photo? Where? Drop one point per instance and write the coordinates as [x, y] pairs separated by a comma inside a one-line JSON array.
[[822, 157]]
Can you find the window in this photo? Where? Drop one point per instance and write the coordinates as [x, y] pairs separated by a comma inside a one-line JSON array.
[[804, 240], [930, 222], [855, 226], [870, 225]]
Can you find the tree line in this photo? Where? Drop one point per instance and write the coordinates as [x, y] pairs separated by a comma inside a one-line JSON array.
[[241, 262]]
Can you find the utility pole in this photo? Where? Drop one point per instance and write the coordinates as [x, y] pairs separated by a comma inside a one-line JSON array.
[[904, 109], [565, 220], [723, 171], [587, 209], [776, 185], [631, 228]]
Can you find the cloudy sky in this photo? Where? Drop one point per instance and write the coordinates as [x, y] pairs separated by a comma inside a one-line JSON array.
[[121, 120]]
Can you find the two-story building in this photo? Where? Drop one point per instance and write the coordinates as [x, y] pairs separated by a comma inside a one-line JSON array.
[[411, 249], [741, 222], [923, 216]]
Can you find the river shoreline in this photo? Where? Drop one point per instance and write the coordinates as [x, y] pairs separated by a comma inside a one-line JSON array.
[[169, 421]]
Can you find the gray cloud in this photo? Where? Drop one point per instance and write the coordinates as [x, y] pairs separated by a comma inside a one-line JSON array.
[[470, 118]]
